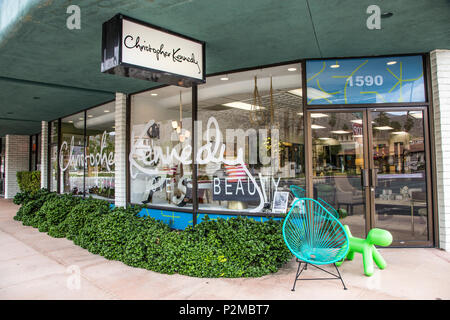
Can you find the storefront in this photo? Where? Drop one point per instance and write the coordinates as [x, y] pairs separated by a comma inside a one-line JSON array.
[[2, 167], [359, 140]]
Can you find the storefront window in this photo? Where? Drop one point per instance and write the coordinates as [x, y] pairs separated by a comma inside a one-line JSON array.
[[71, 158], [38, 152], [250, 145], [2, 165], [161, 153], [251, 138], [53, 155], [100, 151]]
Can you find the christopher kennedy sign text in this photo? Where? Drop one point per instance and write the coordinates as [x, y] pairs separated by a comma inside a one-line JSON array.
[[136, 49]]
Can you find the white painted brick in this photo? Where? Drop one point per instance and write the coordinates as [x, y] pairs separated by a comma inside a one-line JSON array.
[[440, 77], [16, 159], [121, 157]]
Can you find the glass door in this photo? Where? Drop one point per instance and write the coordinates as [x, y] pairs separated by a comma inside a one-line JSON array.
[[371, 165], [339, 164], [398, 174]]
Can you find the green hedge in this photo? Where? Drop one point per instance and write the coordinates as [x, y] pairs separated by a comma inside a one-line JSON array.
[[29, 181], [237, 247]]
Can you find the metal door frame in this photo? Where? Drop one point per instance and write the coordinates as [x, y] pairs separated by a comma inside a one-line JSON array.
[[368, 163], [429, 197]]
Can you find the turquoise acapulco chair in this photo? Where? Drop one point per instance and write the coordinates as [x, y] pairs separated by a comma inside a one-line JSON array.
[[315, 237]]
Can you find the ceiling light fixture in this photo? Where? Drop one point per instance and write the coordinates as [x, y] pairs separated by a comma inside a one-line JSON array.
[[154, 94], [315, 126], [318, 115], [389, 63], [106, 111], [340, 132], [292, 69], [417, 114], [241, 105], [90, 115], [224, 78], [297, 92], [334, 66], [384, 128]]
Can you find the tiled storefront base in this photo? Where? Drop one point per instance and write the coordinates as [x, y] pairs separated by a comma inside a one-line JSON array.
[[181, 220]]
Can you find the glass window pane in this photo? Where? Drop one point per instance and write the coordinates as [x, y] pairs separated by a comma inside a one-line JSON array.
[[100, 151], [250, 129], [53, 154], [160, 147], [71, 160], [338, 163], [398, 153]]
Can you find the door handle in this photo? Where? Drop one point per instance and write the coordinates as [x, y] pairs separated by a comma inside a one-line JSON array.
[[364, 178], [373, 178]]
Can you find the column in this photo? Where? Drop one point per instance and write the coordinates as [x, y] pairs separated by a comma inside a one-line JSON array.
[[440, 79], [44, 154], [121, 157], [16, 159]]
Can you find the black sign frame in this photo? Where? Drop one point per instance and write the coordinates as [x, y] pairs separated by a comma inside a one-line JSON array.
[[112, 55]]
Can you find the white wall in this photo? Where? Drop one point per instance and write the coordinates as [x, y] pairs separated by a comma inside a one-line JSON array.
[[440, 79], [16, 159]]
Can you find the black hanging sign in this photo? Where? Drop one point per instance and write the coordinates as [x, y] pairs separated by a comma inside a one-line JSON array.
[[136, 49]]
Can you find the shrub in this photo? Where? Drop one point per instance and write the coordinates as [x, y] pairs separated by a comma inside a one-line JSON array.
[[31, 203], [53, 213], [25, 196], [29, 181], [82, 213], [237, 247]]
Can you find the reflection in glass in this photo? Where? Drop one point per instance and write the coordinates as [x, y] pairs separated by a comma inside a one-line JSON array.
[[71, 160], [53, 155], [161, 152], [258, 117], [2, 166], [399, 160], [337, 161], [100, 152]]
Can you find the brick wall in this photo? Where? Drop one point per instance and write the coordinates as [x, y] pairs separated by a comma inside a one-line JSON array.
[[440, 79], [120, 157], [16, 159]]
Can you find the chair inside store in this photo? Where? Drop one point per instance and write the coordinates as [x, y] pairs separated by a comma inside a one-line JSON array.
[[301, 193], [315, 237]]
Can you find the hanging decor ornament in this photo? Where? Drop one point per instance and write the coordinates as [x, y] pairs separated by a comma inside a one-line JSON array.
[[257, 113]]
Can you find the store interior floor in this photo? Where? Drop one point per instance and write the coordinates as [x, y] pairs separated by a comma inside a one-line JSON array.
[[34, 265]]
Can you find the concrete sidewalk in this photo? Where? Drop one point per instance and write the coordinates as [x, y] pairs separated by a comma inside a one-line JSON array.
[[34, 265]]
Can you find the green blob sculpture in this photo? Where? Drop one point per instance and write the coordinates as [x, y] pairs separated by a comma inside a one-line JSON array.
[[367, 248]]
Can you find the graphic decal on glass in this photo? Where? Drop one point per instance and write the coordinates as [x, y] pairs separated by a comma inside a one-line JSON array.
[[365, 80]]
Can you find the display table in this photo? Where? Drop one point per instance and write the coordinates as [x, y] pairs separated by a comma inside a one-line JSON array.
[[402, 203]]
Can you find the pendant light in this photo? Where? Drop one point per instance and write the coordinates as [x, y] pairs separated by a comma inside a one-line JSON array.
[[257, 113]]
